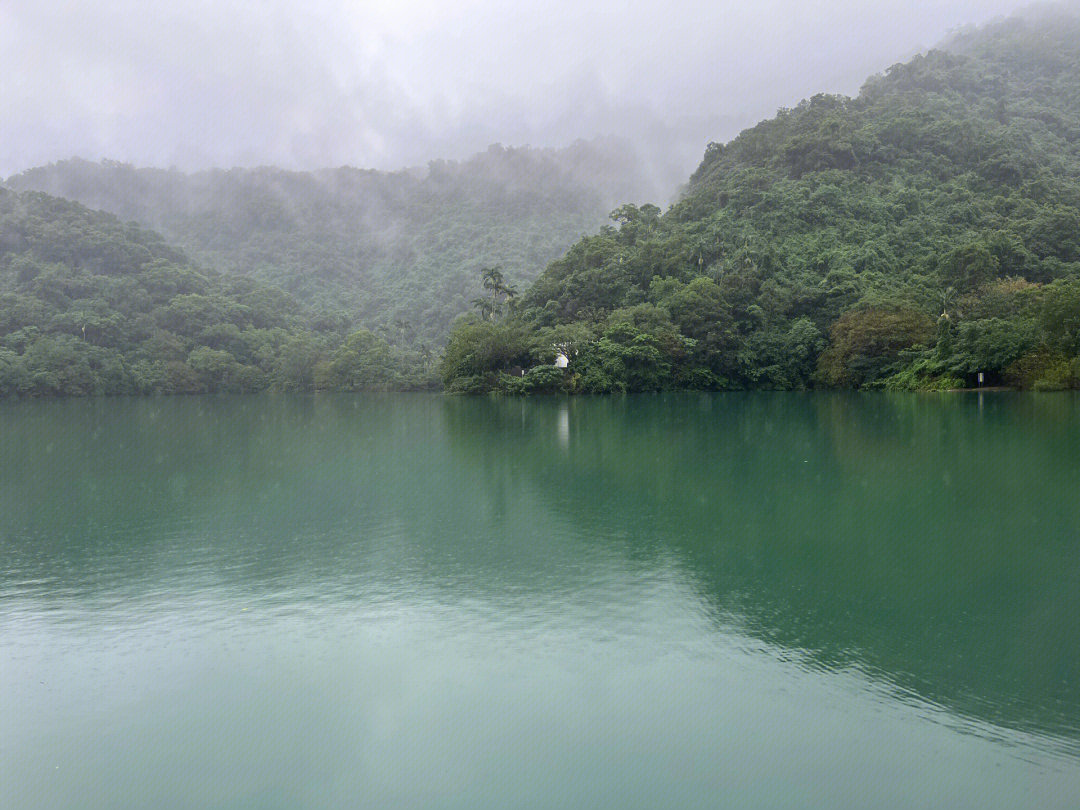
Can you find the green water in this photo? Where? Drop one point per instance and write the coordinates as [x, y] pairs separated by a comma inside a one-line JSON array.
[[744, 601]]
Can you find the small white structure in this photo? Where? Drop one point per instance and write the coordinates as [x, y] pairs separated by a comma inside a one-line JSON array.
[[561, 360]]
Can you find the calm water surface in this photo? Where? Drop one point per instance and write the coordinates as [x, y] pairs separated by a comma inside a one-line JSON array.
[[744, 601]]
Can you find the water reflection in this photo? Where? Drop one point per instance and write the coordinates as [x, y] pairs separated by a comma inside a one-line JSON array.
[[564, 424], [929, 542]]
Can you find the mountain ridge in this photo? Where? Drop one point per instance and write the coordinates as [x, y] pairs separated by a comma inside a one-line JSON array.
[[915, 236], [383, 248]]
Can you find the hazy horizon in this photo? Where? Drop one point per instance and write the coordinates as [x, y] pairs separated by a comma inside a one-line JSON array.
[[393, 85]]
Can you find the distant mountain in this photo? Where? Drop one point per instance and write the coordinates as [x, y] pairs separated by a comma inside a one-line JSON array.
[[920, 235], [91, 305], [400, 252]]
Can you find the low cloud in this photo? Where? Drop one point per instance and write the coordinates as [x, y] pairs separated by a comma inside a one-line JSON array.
[[390, 84]]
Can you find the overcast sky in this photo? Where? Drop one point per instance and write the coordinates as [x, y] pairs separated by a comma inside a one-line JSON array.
[[390, 83]]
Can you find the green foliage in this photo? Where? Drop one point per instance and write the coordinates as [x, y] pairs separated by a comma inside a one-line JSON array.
[[479, 349], [544, 380], [1043, 369], [624, 359], [537, 380], [969, 267], [366, 362], [394, 252], [924, 374], [1060, 316], [89, 305], [992, 343], [865, 343], [930, 227]]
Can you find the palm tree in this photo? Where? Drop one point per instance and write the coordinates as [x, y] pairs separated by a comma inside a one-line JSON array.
[[946, 299], [486, 307], [511, 295], [491, 279], [426, 356]]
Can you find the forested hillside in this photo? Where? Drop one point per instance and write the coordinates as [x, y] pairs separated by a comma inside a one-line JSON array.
[[90, 305], [397, 252], [912, 237]]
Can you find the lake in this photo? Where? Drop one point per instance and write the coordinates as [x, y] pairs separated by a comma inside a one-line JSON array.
[[399, 601]]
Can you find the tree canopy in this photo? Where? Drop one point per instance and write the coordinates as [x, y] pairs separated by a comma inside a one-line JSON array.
[[911, 237], [393, 252], [91, 305]]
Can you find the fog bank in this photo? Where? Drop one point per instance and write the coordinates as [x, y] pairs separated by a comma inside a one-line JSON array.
[[386, 84]]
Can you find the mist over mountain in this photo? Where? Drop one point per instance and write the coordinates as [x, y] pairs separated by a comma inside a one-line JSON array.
[[924, 234], [399, 252], [198, 84], [816, 248], [91, 305]]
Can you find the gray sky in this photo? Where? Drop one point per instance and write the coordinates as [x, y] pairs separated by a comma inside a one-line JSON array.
[[389, 83]]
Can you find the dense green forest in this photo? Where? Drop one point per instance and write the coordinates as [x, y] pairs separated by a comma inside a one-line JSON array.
[[91, 305], [396, 252], [914, 237], [910, 238]]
